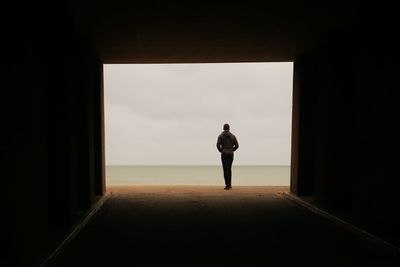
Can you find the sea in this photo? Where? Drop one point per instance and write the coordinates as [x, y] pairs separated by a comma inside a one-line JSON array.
[[197, 175]]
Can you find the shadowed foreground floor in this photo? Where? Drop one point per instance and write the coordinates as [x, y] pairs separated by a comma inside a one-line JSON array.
[[208, 226]]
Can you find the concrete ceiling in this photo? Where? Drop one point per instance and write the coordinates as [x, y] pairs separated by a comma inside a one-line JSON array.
[[124, 31]]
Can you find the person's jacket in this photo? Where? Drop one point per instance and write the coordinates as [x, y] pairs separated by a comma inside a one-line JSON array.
[[227, 143]]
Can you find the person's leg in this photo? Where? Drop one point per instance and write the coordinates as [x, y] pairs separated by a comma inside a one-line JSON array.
[[229, 171], [225, 166]]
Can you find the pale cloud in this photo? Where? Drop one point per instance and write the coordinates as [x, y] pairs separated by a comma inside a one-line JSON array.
[[171, 114]]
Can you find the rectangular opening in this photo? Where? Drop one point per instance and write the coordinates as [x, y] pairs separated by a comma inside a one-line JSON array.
[[162, 122]]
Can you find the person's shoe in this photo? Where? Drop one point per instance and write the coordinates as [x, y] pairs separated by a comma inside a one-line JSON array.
[[230, 187], [226, 188]]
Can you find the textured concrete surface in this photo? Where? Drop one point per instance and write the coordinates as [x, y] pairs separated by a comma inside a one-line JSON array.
[[208, 226]]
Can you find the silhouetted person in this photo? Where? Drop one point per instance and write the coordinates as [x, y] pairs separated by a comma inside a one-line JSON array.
[[227, 144]]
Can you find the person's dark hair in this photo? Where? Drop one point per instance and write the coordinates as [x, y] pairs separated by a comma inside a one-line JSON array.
[[226, 127]]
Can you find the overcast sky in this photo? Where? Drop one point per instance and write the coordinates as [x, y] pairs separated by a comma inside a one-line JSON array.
[[172, 114]]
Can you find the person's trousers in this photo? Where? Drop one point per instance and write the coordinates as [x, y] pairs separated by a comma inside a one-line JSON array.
[[227, 160]]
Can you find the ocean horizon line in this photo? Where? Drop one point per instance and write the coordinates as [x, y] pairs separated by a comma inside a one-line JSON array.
[[197, 174], [194, 165]]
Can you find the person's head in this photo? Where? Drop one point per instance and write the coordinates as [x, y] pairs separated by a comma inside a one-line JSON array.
[[226, 127]]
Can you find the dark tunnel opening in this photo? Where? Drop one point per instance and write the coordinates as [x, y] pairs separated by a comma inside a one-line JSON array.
[[345, 137], [154, 113]]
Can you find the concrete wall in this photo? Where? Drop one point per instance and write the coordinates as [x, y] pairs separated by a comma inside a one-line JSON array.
[[348, 136], [51, 130]]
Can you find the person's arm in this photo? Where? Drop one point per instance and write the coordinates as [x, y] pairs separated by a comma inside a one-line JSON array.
[[219, 146], [235, 144]]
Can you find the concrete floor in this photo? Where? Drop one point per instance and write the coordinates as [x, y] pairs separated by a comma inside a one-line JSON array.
[[208, 226]]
